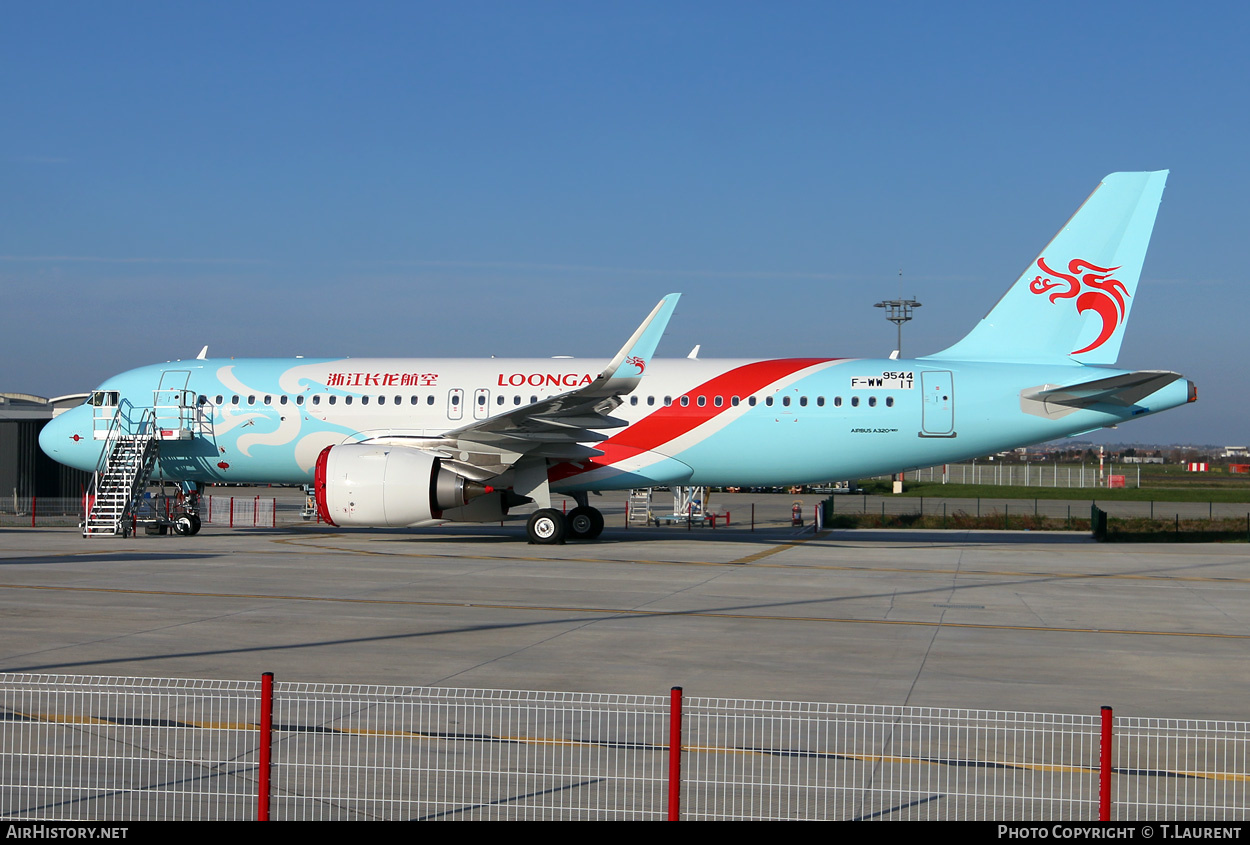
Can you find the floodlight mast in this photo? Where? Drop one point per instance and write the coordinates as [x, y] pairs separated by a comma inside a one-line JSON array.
[[898, 311]]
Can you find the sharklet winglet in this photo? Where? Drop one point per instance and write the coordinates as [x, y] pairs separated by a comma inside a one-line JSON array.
[[637, 351]]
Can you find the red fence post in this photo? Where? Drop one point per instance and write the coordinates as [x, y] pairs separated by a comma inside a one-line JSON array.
[[674, 755], [1104, 772], [274, 513], [232, 511], [266, 740], [256, 512], [33, 501]]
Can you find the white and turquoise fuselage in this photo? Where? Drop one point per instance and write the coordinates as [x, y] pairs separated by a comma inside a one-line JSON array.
[[700, 422]]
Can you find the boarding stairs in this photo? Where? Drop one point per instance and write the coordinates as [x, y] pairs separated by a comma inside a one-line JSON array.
[[640, 506], [132, 438], [688, 507], [125, 466]]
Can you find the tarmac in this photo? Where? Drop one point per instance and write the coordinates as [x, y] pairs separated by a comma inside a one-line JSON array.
[[1016, 621]]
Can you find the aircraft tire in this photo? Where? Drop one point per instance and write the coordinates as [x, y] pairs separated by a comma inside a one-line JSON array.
[[183, 526], [585, 523], [546, 527], [195, 524]]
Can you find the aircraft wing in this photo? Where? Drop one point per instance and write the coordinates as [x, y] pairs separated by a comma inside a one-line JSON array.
[[558, 427]]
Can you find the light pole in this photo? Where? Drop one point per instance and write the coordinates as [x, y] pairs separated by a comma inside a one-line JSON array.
[[898, 311]]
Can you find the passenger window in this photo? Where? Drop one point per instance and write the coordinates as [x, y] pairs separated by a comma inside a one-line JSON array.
[[316, 400], [889, 401], [633, 400], [516, 400], [820, 401], [499, 399], [702, 401], [837, 401], [872, 401], [381, 400], [854, 401], [333, 398], [219, 400], [768, 400], [251, 400], [751, 401], [718, 401], [429, 400], [668, 400], [299, 400], [785, 400], [347, 400], [685, 401], [650, 400], [802, 401]]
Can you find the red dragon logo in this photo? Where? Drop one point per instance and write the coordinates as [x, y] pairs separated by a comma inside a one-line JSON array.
[[637, 362], [1103, 295]]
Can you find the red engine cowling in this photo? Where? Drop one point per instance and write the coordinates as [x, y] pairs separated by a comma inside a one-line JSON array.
[[386, 486]]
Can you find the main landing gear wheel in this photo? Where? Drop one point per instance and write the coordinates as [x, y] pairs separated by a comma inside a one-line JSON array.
[[546, 527], [585, 523]]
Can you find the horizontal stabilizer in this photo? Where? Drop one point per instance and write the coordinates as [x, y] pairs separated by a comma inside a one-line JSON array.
[[1123, 390]]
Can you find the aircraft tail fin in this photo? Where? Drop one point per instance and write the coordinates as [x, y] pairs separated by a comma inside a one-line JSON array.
[[1072, 302]]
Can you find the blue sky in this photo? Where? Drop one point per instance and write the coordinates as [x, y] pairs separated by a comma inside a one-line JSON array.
[[528, 178]]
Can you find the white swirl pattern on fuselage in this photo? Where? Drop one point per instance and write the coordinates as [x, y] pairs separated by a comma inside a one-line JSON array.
[[288, 423]]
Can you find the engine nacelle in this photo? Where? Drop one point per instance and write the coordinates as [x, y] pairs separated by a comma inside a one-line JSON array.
[[386, 486]]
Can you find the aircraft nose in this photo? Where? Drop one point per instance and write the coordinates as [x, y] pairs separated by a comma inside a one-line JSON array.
[[50, 437], [67, 440]]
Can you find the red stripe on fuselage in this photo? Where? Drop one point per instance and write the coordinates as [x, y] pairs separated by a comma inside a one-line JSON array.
[[666, 424]]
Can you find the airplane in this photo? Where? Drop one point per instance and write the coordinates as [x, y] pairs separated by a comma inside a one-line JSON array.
[[390, 442]]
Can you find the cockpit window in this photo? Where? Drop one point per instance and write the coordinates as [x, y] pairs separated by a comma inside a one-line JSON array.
[[104, 398]]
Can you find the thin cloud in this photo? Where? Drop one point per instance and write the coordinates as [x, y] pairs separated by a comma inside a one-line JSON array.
[[101, 259], [632, 271]]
